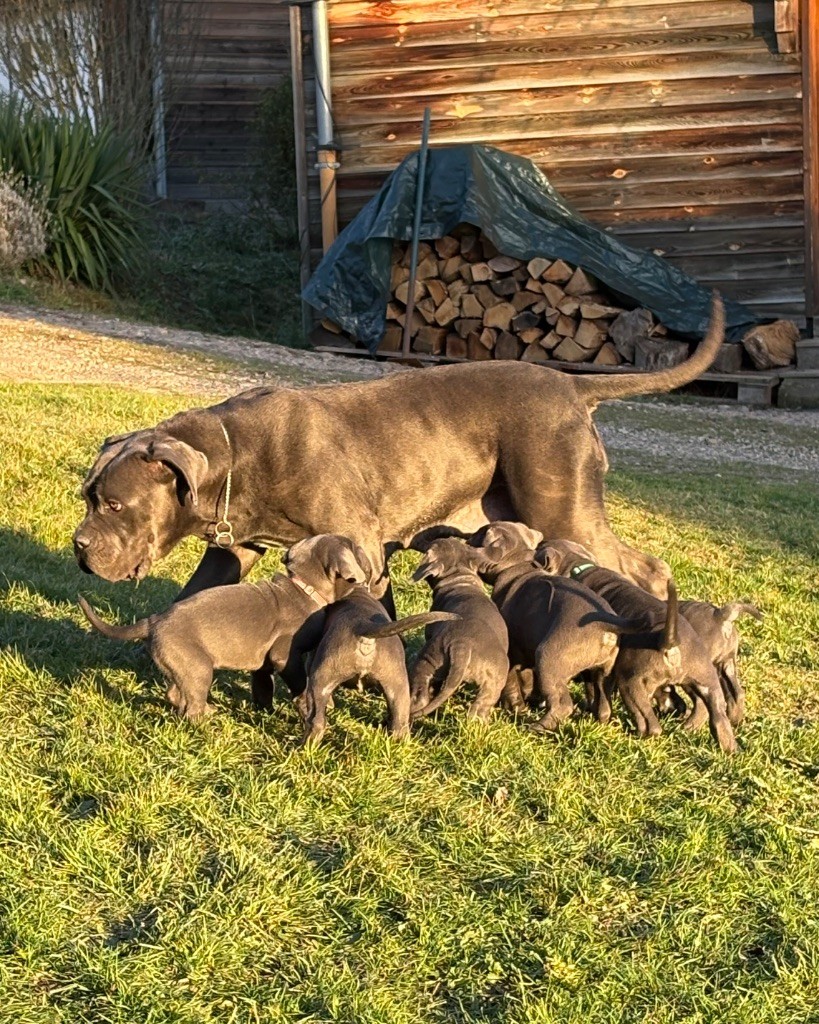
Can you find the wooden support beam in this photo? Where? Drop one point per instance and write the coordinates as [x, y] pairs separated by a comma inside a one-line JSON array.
[[810, 119]]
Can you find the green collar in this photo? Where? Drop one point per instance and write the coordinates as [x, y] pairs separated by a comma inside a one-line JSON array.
[[576, 570]]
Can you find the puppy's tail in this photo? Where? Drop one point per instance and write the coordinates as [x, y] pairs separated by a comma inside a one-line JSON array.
[[458, 664], [731, 612], [405, 625], [137, 631], [637, 634]]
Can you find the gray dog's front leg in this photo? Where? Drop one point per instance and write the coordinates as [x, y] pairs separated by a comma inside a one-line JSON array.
[[221, 566]]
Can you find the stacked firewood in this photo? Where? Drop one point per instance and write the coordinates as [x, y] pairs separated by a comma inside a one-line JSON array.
[[472, 302]]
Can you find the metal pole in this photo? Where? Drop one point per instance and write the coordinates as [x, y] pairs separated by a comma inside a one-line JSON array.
[[300, 133], [327, 162], [416, 229]]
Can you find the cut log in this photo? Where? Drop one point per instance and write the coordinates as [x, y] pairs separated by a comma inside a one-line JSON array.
[[447, 246], [772, 344], [457, 289], [466, 326], [548, 341], [507, 346], [565, 325], [394, 310], [486, 296], [505, 286], [427, 268], [538, 266], [424, 249], [569, 350], [549, 315], [398, 275], [430, 339], [437, 291], [534, 354], [594, 311], [569, 305], [521, 275], [523, 300], [656, 354], [499, 316], [426, 307], [471, 248], [629, 328], [729, 358], [402, 291], [489, 250], [391, 342], [465, 272], [608, 355], [449, 269], [590, 336], [447, 312], [504, 264], [488, 337], [482, 272], [558, 273], [553, 294], [456, 347], [580, 283], [523, 321], [533, 285], [470, 306], [531, 335], [331, 326], [474, 348]]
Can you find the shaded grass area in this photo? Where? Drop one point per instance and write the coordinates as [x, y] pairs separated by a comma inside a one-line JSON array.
[[156, 871], [227, 273]]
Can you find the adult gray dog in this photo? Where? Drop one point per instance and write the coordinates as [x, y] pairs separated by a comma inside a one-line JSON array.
[[380, 462]]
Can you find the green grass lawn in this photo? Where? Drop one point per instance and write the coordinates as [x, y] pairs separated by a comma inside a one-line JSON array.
[[155, 871]]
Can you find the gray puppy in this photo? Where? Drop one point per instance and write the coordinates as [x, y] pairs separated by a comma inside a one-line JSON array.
[[556, 626], [473, 649], [266, 626], [679, 659], [360, 644]]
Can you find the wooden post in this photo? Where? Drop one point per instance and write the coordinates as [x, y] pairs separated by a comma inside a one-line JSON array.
[[810, 116], [416, 229], [300, 133]]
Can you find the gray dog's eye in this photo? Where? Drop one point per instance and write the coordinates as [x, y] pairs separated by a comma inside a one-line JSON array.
[[115, 506]]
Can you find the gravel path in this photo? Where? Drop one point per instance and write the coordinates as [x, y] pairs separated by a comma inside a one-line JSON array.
[[61, 347]]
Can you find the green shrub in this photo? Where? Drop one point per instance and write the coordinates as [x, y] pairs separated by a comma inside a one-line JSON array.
[[273, 176], [89, 184]]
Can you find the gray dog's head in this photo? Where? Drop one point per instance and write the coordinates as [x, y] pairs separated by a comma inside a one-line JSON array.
[[447, 557], [329, 563], [506, 544], [558, 556], [140, 497]]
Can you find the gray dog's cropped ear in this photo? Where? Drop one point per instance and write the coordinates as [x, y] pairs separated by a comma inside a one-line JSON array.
[[531, 538], [186, 461]]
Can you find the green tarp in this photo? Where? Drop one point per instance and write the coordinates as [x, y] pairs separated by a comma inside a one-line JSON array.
[[514, 204]]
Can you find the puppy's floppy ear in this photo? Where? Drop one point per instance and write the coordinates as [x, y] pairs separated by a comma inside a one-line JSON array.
[[531, 538], [428, 567], [347, 563], [549, 558], [187, 462]]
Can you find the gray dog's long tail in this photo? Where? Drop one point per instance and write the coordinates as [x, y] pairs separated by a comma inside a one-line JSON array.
[[458, 664], [596, 388], [404, 625], [137, 631], [672, 617], [731, 612]]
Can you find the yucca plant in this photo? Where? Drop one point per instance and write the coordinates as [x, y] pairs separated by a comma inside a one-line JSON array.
[[89, 185]]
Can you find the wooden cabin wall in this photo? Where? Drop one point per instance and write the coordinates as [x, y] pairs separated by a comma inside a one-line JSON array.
[[675, 123], [243, 49]]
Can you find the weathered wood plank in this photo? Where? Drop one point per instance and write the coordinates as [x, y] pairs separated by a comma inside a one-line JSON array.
[[810, 46], [661, 68], [361, 12], [507, 104], [536, 50], [567, 21]]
